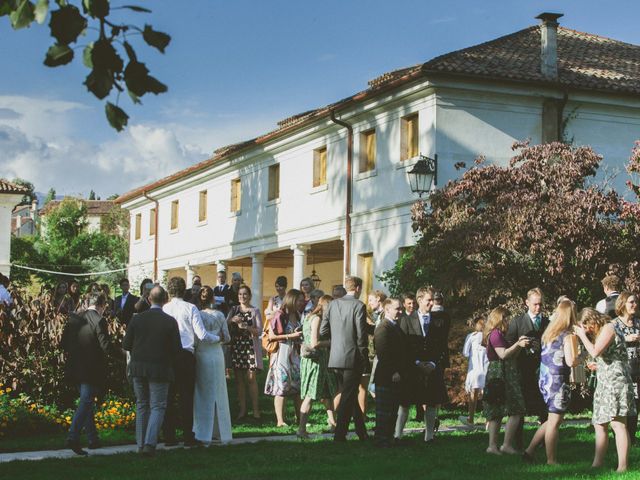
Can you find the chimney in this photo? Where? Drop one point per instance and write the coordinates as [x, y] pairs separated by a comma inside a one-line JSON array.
[[549, 44]]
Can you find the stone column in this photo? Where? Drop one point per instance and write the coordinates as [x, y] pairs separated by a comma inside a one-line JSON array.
[[190, 274], [257, 274], [299, 262], [221, 266]]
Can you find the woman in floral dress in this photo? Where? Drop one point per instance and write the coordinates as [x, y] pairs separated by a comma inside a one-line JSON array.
[[629, 324], [245, 326], [502, 366], [559, 354], [317, 382], [283, 378], [613, 400]]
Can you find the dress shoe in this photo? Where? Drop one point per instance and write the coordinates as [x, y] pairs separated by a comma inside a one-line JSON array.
[[75, 447], [149, 451], [192, 442]]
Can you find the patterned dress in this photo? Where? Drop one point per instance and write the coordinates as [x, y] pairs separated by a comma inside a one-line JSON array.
[[317, 382], [243, 356], [614, 396], [508, 371], [283, 378], [554, 376]]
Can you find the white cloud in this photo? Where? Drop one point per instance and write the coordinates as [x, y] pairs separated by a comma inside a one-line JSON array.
[[40, 141], [36, 143]]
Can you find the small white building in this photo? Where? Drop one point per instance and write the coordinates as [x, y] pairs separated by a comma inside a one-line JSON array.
[[24, 220], [288, 203], [10, 196], [97, 210]]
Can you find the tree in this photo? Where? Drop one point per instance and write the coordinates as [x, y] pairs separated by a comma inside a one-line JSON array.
[[104, 55], [497, 231], [92, 195], [28, 197], [51, 195], [66, 245]]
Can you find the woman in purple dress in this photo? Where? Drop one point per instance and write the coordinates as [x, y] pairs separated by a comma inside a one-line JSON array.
[[559, 354]]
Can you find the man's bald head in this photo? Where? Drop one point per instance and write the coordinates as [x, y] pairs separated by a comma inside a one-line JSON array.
[[157, 295]]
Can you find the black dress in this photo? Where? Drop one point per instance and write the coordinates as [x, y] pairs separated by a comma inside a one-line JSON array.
[[243, 356]]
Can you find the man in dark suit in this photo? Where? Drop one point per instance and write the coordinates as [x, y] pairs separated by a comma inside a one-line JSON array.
[[428, 334], [125, 304], [532, 324], [393, 363], [345, 321], [192, 294], [222, 292], [85, 341], [153, 339]]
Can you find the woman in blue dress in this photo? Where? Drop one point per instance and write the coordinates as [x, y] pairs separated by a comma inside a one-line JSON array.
[[559, 354]]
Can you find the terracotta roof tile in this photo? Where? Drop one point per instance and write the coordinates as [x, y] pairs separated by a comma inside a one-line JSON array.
[[94, 207], [585, 61], [8, 187]]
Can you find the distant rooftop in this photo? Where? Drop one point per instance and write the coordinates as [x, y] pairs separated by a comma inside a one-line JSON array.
[[94, 207], [8, 187]]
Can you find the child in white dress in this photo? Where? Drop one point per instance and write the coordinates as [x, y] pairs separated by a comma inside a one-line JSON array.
[[477, 370]]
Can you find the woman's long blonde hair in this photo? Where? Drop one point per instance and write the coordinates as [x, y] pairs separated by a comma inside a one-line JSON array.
[[590, 316], [564, 319], [498, 318]]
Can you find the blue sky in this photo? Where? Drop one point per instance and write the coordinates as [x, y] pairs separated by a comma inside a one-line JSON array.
[[234, 68]]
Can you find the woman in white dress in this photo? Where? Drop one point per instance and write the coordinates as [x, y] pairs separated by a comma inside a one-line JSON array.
[[211, 416], [477, 369]]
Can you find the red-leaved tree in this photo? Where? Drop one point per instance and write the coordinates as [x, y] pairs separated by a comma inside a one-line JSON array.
[[541, 221]]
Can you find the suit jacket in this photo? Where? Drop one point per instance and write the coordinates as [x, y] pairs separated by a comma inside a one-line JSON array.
[[85, 340], [223, 291], [154, 340], [433, 348], [345, 321], [391, 349], [125, 313], [523, 325]]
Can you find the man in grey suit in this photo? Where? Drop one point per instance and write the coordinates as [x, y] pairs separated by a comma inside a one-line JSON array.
[[345, 321], [154, 341], [532, 324]]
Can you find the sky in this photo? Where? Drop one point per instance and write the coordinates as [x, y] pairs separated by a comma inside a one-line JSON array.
[[234, 68]]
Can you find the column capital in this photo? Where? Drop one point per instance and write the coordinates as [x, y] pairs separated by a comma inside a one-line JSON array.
[[300, 247], [257, 257]]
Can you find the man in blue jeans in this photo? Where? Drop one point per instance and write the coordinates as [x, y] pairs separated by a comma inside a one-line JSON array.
[[85, 341]]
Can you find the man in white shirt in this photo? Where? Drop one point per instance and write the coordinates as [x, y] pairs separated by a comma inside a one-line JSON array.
[[190, 326], [5, 296], [611, 285]]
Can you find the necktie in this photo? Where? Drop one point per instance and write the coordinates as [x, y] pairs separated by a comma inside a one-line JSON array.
[[536, 322], [425, 323]]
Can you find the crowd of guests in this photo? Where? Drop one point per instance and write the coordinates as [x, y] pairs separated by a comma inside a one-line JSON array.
[[182, 345]]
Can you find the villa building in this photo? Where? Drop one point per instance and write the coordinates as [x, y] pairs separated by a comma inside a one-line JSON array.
[[328, 189]]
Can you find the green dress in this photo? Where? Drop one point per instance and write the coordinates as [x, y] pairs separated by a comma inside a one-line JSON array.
[[317, 382], [614, 396]]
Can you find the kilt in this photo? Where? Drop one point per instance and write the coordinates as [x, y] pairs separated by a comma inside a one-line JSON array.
[[387, 402], [429, 390]]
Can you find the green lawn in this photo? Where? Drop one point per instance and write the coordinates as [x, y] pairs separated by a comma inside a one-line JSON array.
[[458, 455]]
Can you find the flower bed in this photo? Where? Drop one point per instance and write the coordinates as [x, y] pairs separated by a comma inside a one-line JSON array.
[[20, 415]]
